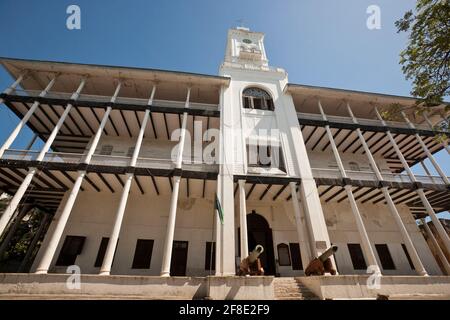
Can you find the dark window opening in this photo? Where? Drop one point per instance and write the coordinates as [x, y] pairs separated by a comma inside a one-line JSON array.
[[142, 254], [106, 150], [130, 152], [296, 256], [210, 256], [357, 256], [265, 156], [72, 247], [255, 98], [284, 257], [101, 252], [408, 257], [354, 166], [385, 257]]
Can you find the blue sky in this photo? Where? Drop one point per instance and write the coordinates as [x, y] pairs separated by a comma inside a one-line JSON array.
[[323, 43]]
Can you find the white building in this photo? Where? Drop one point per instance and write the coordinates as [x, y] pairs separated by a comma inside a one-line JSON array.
[[124, 201]]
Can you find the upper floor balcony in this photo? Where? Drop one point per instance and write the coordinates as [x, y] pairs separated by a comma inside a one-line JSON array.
[[369, 176], [368, 124], [138, 104], [72, 160]]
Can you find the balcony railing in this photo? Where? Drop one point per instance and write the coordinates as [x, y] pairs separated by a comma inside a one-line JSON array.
[[107, 160], [124, 100], [361, 121], [370, 176], [29, 155]]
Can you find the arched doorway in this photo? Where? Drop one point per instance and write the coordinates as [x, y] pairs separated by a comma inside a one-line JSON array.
[[259, 232]]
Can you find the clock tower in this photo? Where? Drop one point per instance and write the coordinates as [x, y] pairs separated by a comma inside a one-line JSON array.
[[245, 50]]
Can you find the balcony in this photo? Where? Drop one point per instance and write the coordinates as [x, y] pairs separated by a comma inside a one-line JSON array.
[[107, 160], [327, 173], [119, 100], [361, 121]]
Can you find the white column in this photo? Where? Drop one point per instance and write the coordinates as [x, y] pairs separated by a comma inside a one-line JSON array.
[[243, 220], [168, 244], [49, 253], [99, 132], [218, 222], [439, 251], [440, 229], [427, 151], [25, 118], [47, 257], [418, 266], [218, 235], [394, 212], [9, 211], [302, 241], [112, 244], [114, 237], [14, 202], [12, 87], [437, 224], [366, 245]]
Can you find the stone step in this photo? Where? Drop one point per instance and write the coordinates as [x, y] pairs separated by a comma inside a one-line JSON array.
[[292, 289]]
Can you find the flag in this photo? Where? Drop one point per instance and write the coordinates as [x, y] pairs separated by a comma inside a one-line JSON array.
[[218, 207]]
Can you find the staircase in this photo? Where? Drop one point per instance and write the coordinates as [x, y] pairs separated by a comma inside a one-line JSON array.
[[292, 289]]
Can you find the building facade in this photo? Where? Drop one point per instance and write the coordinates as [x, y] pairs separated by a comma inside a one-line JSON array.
[[162, 173]]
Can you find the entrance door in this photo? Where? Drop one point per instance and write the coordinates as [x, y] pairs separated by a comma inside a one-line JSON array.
[[259, 232], [179, 258]]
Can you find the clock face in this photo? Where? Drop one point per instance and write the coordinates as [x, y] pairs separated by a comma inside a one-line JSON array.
[[248, 41]]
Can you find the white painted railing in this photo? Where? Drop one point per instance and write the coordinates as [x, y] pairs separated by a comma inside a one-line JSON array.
[[124, 100], [108, 160], [362, 121], [370, 176]]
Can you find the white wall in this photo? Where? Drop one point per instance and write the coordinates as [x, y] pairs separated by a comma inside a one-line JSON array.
[[381, 229], [145, 218]]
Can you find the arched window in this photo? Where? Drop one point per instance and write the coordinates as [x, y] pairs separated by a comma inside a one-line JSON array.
[[256, 98], [354, 166], [284, 258]]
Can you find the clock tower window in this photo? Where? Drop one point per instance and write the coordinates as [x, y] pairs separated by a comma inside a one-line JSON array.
[[256, 98]]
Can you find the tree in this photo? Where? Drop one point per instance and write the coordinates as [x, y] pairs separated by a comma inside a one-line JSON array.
[[426, 59]]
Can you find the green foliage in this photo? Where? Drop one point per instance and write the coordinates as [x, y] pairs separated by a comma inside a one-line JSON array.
[[426, 60], [23, 236]]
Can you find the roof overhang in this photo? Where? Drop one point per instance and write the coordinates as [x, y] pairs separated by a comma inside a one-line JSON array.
[[16, 66], [334, 100]]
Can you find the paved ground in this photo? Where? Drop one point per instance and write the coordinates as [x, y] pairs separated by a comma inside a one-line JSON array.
[[81, 297]]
